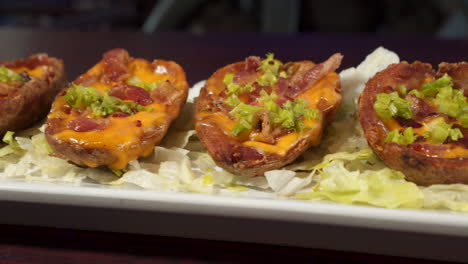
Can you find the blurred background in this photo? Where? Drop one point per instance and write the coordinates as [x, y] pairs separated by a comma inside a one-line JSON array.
[[444, 19]]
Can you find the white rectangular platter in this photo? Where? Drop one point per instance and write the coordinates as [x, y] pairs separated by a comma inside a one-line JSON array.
[[422, 234]]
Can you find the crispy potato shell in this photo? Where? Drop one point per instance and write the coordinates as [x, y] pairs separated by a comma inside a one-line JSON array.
[[234, 153], [30, 102], [419, 168], [122, 137]]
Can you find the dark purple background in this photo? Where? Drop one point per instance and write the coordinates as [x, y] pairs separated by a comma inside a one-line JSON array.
[[200, 56]]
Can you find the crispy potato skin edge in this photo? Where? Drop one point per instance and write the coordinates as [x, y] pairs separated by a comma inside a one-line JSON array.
[[418, 168], [223, 149], [32, 101], [74, 153]]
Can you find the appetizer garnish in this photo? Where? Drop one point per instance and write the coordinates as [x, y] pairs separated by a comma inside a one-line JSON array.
[[416, 120], [117, 111], [259, 115], [27, 89]]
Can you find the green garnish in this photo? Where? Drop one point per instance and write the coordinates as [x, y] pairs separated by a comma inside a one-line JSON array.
[[7, 75], [391, 105], [10, 140], [450, 101], [417, 93], [286, 116], [432, 88], [118, 172], [232, 100], [79, 96], [403, 90], [270, 68], [283, 74], [407, 137], [439, 131], [269, 101], [136, 81], [233, 88], [244, 115]]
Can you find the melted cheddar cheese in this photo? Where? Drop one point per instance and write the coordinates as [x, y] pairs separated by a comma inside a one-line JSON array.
[[454, 151], [321, 95], [123, 136], [37, 72]]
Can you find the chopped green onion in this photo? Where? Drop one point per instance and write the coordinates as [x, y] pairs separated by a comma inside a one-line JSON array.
[[432, 88], [10, 140], [407, 137], [118, 172], [451, 101], [267, 79], [439, 131], [136, 81], [228, 78], [270, 68], [233, 88], [417, 93], [389, 105], [7, 75], [403, 90], [283, 74], [79, 96], [232, 100], [244, 115]]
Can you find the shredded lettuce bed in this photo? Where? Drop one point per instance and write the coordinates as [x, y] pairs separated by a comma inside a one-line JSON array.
[[342, 169]]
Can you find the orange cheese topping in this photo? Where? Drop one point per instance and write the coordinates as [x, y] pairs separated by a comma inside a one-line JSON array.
[[123, 135], [37, 72], [454, 151], [321, 95]]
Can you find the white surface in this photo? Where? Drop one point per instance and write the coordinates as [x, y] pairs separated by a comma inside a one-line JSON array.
[[432, 222]]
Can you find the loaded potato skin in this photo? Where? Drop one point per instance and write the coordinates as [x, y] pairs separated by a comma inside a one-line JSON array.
[[272, 134], [27, 89], [117, 111], [437, 150]]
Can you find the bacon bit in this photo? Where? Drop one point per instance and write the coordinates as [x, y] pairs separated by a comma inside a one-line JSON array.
[[30, 63], [82, 124], [120, 114], [430, 149], [66, 109], [420, 107], [458, 72], [265, 127], [138, 123], [130, 92], [309, 74], [281, 84], [54, 125], [166, 93], [78, 111], [86, 80], [116, 65], [251, 97], [244, 77], [252, 63]]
